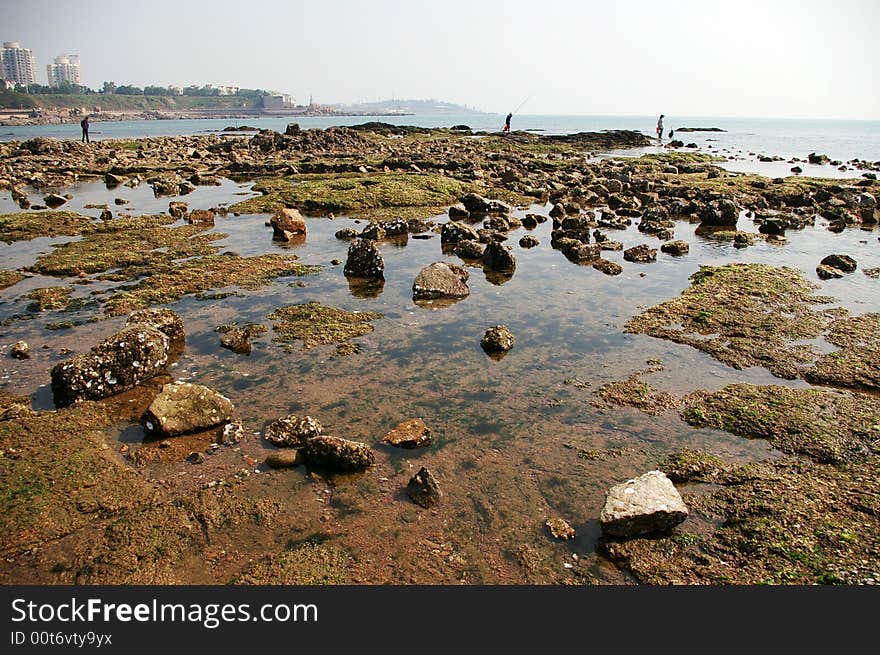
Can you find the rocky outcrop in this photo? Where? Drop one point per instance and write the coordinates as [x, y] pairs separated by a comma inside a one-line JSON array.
[[497, 339], [409, 434], [364, 261], [200, 217], [287, 223], [423, 489], [469, 249], [121, 362], [607, 267], [646, 504], [334, 454], [292, 432], [721, 212], [182, 407], [441, 280]]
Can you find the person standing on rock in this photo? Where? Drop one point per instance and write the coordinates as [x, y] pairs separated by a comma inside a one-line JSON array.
[[660, 127], [84, 124], [507, 122]]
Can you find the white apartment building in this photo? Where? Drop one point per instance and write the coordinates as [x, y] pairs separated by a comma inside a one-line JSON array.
[[17, 64], [64, 69]]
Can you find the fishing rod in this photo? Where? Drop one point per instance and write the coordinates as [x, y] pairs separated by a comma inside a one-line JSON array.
[[516, 111]]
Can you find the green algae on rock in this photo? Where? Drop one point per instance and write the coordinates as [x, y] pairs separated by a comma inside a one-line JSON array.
[[857, 362], [306, 563], [29, 225], [743, 315], [316, 324], [203, 273], [788, 522], [8, 278], [634, 392], [826, 426], [323, 193]]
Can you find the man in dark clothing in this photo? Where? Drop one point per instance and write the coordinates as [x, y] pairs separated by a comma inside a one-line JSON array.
[[507, 122], [84, 124]]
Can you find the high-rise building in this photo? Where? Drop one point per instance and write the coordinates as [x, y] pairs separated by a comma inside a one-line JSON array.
[[64, 69], [18, 64]]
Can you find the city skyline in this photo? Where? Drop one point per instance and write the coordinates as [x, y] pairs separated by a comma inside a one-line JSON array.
[[770, 59]]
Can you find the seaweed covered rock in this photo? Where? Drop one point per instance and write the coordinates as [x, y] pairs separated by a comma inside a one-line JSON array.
[[183, 407], [646, 504], [293, 432], [167, 322], [364, 261], [675, 248], [337, 455], [441, 280], [120, 362]]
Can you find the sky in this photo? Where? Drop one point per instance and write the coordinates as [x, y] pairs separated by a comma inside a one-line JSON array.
[[753, 58]]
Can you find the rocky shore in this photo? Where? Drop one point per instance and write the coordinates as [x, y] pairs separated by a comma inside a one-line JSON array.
[[81, 508]]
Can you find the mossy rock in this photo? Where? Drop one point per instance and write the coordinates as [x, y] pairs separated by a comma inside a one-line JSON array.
[[316, 324]]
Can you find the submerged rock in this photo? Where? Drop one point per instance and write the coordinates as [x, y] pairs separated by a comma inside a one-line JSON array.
[[646, 504], [237, 338], [528, 241], [454, 231], [424, 489], [560, 528], [120, 362], [292, 432], [286, 458], [337, 455], [479, 205], [469, 249], [498, 339], [183, 407], [364, 260], [607, 267], [409, 434], [441, 280]]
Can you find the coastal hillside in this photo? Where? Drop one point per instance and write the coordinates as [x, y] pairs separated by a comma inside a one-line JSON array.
[[420, 107], [118, 102]]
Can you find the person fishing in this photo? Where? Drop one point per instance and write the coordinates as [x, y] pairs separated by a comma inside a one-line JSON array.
[[507, 122], [660, 127], [84, 124]]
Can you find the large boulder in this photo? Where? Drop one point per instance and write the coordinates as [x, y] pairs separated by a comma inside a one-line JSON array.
[[646, 504], [676, 248], [286, 223], [479, 205], [182, 407], [498, 257], [723, 212], [167, 322], [120, 362], [364, 260], [337, 455], [441, 280]]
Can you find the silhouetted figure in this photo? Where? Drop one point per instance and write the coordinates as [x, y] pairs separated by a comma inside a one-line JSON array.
[[84, 124], [671, 132], [507, 122], [660, 127]]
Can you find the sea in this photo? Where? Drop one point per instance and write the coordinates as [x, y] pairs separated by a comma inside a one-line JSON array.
[[743, 141]]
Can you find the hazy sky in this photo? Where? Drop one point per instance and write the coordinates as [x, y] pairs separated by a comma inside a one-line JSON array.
[[787, 58]]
